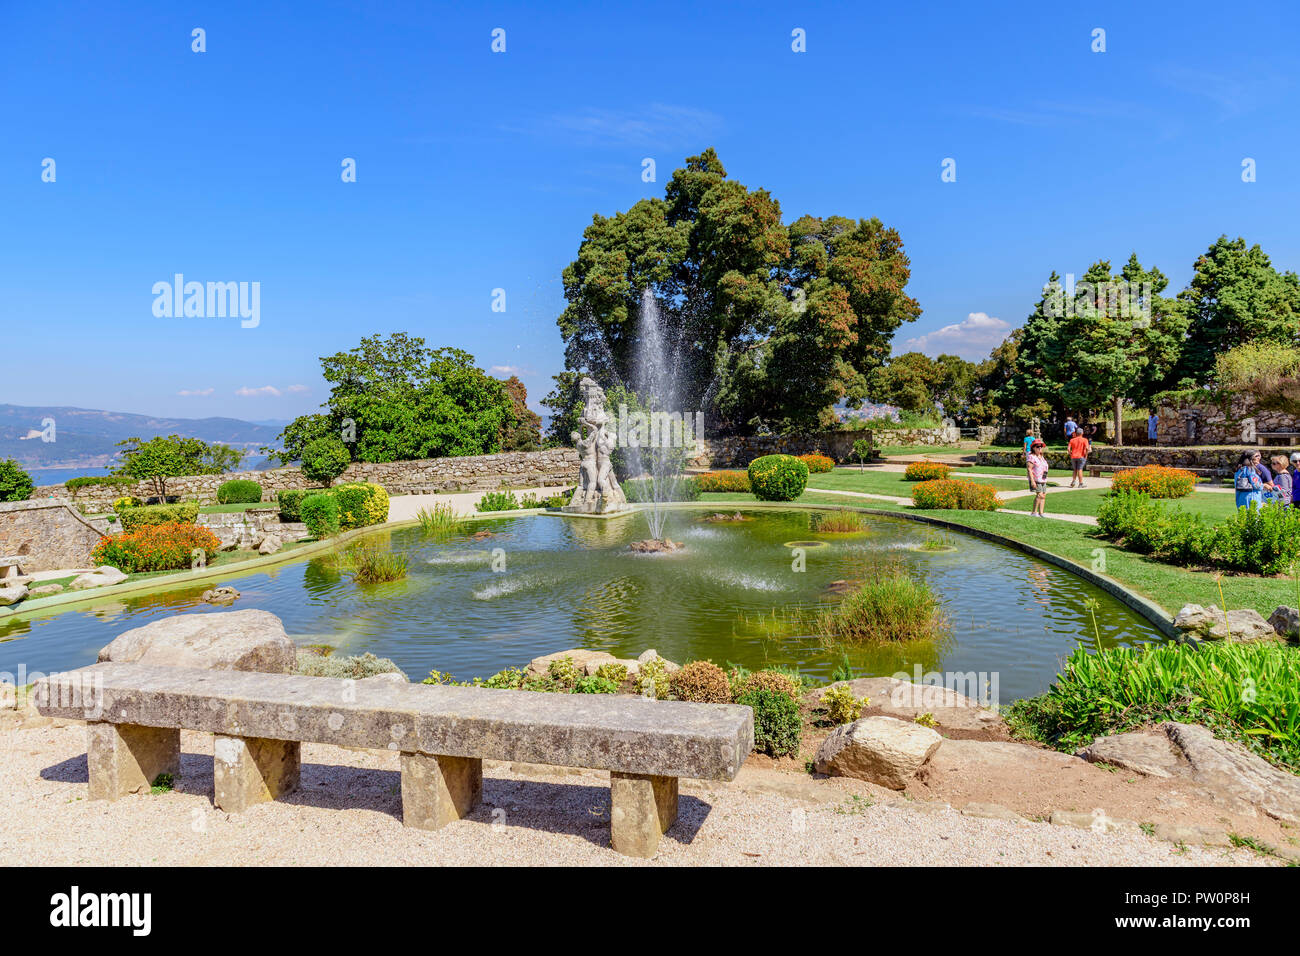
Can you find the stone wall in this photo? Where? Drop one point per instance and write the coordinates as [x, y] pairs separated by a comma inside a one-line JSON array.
[[246, 529], [1217, 457], [1207, 423], [46, 534], [553, 467], [916, 436]]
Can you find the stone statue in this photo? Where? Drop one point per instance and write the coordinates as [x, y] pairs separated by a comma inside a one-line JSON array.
[[598, 491]]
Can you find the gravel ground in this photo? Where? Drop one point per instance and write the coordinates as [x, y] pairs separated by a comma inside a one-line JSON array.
[[348, 813]]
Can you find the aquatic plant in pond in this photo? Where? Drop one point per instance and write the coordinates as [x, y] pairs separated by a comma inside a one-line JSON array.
[[891, 605], [440, 521]]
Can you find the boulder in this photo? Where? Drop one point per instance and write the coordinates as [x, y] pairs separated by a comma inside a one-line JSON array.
[[593, 665], [905, 700], [652, 655], [12, 594], [222, 595], [880, 750], [41, 590], [225, 641], [581, 657], [1286, 622], [1242, 624], [392, 677], [269, 544], [1222, 770], [103, 576]]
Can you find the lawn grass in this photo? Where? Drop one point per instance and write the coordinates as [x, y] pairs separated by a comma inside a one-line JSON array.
[[231, 509], [920, 449], [892, 482]]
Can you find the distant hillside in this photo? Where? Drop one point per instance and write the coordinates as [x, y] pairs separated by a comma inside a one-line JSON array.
[[87, 438]]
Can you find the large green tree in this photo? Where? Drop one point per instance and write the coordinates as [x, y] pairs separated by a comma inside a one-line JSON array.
[[761, 325], [1236, 296], [918, 383], [395, 399]]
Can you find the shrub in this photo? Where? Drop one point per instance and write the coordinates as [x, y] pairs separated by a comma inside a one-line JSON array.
[[1115, 689], [358, 667], [564, 671], [320, 512], [126, 501], [239, 491], [676, 489], [841, 706], [156, 547], [1155, 480], [778, 477], [612, 671], [595, 685], [512, 678], [653, 680], [770, 680], [324, 459], [701, 681], [1120, 511], [440, 521], [15, 483], [498, 501], [926, 471], [962, 495], [777, 726], [863, 449], [89, 481], [149, 515], [361, 503], [1259, 540], [290, 501], [734, 482], [891, 606], [818, 463]]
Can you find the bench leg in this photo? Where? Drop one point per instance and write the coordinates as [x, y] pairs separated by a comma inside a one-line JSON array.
[[250, 770], [642, 808], [127, 758], [439, 790]]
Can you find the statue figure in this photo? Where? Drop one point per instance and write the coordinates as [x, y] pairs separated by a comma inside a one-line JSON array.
[[598, 489]]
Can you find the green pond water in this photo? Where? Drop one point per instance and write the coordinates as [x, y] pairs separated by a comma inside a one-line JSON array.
[[544, 583]]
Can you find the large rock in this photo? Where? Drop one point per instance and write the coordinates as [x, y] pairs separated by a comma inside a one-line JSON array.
[[225, 641], [905, 700], [880, 750], [103, 576], [1286, 621], [1222, 770], [581, 658], [1242, 624], [12, 594], [269, 544]]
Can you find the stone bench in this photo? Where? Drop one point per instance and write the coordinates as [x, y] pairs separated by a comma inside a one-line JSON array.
[[137, 711], [10, 568], [1289, 436]]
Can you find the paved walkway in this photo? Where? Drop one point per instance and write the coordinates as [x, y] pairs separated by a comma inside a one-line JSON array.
[[406, 507]]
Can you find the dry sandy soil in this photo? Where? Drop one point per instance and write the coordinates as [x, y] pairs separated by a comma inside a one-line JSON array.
[[348, 812]]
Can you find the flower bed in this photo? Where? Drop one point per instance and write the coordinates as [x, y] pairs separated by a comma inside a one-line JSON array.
[[160, 547], [818, 463], [736, 482], [963, 495], [1156, 481], [926, 471]]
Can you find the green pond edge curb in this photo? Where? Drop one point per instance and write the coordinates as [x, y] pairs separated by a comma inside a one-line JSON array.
[[1145, 607]]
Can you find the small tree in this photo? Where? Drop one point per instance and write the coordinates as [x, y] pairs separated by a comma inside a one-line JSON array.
[[324, 459], [862, 450], [15, 484], [159, 459]]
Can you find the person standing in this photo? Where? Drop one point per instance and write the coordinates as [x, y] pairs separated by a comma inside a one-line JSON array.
[[1153, 420], [1246, 481], [1036, 468], [1281, 482], [1070, 427], [1029, 441], [1079, 447], [1295, 479], [1265, 475]]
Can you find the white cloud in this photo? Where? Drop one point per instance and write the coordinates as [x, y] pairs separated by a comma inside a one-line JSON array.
[[972, 338], [505, 371], [657, 124], [196, 391], [247, 392], [297, 389]]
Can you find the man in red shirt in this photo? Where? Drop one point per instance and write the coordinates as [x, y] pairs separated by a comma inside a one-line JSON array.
[[1079, 448]]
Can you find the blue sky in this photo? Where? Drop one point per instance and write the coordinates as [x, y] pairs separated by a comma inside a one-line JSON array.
[[478, 171]]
